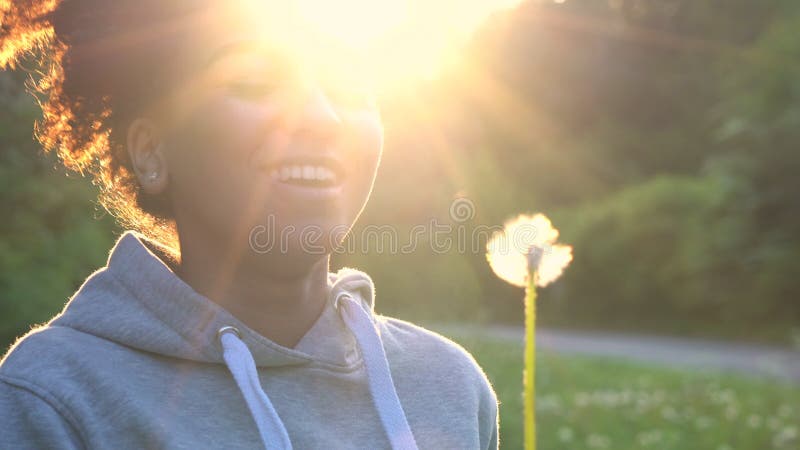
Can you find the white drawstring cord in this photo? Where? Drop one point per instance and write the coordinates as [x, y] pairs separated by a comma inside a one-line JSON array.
[[384, 395], [243, 368]]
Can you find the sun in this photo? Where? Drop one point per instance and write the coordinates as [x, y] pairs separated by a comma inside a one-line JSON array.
[[396, 41], [355, 22]]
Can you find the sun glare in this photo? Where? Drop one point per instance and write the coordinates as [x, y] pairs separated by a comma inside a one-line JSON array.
[[353, 21], [397, 40]]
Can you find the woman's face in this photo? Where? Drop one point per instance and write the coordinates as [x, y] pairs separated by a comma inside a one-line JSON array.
[[270, 151]]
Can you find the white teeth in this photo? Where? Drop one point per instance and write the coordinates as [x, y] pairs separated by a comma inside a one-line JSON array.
[[307, 172]]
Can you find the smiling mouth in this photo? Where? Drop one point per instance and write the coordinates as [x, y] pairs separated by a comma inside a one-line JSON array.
[[312, 172]]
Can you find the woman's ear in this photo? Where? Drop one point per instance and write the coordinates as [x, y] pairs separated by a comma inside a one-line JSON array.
[[146, 150]]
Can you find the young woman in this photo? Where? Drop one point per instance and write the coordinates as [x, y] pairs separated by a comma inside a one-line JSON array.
[[237, 150]]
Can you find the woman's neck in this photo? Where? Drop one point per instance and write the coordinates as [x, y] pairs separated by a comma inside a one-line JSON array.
[[280, 307]]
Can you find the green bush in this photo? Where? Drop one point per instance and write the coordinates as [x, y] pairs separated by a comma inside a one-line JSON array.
[[673, 254], [51, 240]]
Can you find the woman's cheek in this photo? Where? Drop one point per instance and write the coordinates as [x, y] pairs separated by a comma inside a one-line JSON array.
[[212, 156], [237, 126], [366, 134], [363, 151], [370, 131]]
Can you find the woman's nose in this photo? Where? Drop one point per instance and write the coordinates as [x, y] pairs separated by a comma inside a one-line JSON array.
[[317, 115]]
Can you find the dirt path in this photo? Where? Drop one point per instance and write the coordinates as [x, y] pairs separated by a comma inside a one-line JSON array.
[[668, 351]]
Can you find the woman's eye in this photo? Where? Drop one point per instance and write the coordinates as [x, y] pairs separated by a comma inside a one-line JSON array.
[[351, 98], [251, 90]]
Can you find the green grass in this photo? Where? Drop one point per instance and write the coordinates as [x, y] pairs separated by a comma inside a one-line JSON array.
[[603, 403]]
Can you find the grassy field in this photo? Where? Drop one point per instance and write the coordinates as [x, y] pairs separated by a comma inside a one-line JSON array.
[[598, 403]]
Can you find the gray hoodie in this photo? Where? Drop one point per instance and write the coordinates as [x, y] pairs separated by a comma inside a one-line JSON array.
[[138, 359]]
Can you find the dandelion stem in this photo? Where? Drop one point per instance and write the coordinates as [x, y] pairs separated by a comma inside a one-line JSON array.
[[529, 381]]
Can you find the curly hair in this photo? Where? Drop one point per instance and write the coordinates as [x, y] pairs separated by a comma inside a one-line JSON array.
[[98, 64]]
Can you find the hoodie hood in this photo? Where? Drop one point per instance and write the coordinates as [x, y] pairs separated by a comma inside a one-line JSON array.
[[139, 302]]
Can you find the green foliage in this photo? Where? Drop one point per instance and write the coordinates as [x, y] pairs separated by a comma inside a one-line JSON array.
[[50, 240], [676, 247], [760, 119]]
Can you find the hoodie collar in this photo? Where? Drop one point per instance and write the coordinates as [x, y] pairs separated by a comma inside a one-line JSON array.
[[138, 301]]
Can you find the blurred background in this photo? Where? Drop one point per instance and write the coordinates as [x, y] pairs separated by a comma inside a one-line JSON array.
[[660, 136]]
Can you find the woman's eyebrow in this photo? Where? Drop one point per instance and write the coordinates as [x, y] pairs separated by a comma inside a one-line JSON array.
[[233, 48]]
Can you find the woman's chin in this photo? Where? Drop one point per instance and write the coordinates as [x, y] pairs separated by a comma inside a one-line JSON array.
[[298, 240], [293, 262]]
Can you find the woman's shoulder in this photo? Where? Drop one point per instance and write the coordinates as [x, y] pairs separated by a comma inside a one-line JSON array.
[[441, 369], [57, 342], [41, 351], [36, 375], [416, 345]]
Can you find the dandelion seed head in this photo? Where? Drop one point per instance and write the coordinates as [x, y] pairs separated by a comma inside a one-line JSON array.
[[528, 244]]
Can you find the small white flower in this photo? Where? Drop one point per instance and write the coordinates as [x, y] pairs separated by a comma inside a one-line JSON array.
[[731, 412], [669, 413], [598, 441], [650, 437], [788, 435], [565, 434], [703, 422]]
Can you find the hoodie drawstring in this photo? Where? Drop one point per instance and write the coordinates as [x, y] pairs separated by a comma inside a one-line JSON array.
[[384, 396], [243, 368]]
